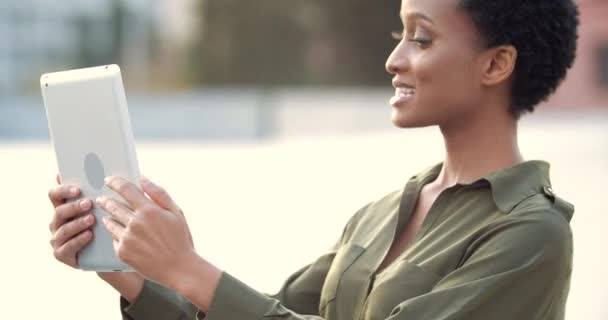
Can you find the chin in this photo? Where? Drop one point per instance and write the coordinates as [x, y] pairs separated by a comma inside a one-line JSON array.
[[408, 119]]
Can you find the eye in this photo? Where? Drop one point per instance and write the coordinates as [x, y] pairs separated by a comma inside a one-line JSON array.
[[421, 42], [420, 38]]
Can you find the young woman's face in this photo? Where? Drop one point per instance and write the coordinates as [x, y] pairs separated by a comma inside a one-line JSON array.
[[436, 65]]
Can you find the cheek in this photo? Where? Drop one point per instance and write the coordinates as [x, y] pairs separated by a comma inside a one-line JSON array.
[[445, 80], [446, 87]]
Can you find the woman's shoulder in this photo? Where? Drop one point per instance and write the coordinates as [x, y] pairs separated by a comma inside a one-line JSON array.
[[546, 206], [538, 225]]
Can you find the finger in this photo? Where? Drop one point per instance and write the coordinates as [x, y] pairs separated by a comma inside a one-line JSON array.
[[68, 252], [115, 209], [159, 195], [72, 229], [116, 245], [60, 193], [131, 193], [58, 178], [119, 252], [115, 229], [68, 211]]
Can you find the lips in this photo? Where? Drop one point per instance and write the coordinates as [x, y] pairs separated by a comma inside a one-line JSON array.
[[403, 94]]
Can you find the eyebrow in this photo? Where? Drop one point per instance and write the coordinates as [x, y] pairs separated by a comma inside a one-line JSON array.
[[418, 15]]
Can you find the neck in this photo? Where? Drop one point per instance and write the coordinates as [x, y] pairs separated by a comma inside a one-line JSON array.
[[482, 144]]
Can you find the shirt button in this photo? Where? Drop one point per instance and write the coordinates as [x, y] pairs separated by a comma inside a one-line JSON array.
[[548, 191]]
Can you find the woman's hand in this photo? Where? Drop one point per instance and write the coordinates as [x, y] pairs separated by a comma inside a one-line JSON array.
[[69, 232], [150, 234]]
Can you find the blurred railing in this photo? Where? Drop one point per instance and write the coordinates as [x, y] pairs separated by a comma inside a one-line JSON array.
[[247, 114], [225, 114]]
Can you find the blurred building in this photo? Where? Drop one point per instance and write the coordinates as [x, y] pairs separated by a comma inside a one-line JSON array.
[[38, 36], [155, 42], [587, 83]]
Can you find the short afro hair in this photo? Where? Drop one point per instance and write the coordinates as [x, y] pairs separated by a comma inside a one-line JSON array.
[[544, 32]]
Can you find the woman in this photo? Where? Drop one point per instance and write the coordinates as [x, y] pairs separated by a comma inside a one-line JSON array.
[[478, 236]]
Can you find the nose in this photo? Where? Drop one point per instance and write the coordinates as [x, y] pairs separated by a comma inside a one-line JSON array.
[[398, 60]]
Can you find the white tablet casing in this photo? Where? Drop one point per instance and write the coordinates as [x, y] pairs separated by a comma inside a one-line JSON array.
[[90, 131]]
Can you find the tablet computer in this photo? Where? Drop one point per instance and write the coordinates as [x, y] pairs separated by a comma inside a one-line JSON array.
[[91, 135]]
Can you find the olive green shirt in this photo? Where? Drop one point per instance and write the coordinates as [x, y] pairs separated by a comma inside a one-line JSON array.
[[498, 248]]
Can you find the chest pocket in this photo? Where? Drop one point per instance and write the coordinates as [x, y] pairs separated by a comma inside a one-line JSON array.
[[345, 257], [400, 282]]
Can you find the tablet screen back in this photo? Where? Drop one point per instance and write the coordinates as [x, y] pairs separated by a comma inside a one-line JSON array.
[[91, 134]]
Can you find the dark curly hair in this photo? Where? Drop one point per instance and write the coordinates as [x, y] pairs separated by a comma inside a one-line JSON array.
[[544, 32]]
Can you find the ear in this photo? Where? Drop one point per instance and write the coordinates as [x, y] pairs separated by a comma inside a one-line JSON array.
[[499, 63]]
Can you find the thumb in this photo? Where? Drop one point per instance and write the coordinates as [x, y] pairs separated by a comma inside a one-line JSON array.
[[159, 195]]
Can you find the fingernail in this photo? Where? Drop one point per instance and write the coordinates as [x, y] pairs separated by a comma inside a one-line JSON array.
[[88, 219], [73, 190], [99, 200], [85, 204], [106, 180]]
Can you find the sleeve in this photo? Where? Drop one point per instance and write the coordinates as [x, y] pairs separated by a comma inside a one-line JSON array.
[[301, 291], [519, 269], [157, 302]]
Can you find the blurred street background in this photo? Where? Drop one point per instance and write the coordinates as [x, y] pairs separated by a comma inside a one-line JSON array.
[[268, 121]]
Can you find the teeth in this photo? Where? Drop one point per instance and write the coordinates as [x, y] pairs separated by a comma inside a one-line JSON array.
[[405, 91]]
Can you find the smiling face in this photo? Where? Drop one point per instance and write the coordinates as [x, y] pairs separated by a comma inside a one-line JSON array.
[[437, 65]]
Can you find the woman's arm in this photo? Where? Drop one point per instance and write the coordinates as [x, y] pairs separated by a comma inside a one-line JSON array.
[[128, 284], [152, 233], [300, 292]]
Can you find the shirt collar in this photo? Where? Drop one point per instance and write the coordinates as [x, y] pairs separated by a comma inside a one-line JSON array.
[[510, 186]]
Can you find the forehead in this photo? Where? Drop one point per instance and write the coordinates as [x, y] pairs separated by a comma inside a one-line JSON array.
[[437, 10], [446, 15]]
